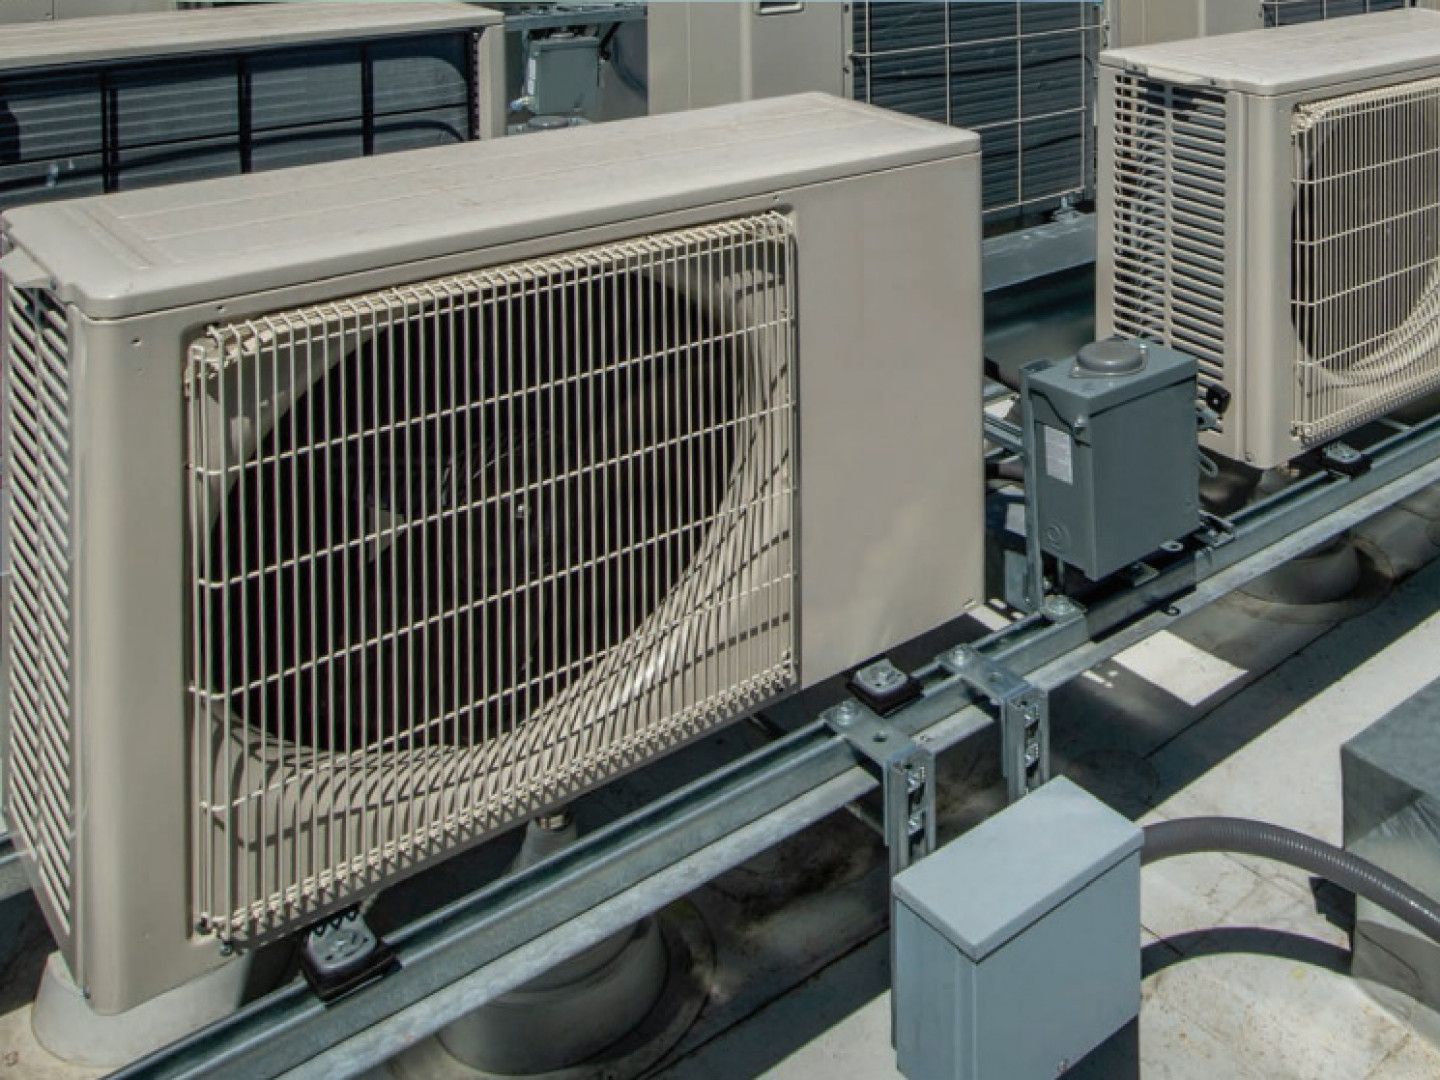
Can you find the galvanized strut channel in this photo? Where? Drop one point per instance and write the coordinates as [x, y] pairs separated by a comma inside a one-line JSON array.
[[510, 930]]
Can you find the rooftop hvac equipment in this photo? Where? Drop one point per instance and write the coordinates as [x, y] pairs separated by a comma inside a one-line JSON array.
[[107, 104], [1020, 72], [19, 11], [337, 550], [1269, 204], [1149, 22]]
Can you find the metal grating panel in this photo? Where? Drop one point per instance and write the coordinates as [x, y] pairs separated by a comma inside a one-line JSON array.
[[1365, 282], [1290, 12], [93, 127], [1169, 219], [467, 548], [39, 791], [1019, 72]]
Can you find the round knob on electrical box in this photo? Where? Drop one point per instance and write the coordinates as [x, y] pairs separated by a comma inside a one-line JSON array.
[[1113, 357]]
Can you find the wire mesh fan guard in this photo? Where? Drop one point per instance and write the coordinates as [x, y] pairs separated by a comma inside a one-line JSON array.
[[468, 547], [1365, 254]]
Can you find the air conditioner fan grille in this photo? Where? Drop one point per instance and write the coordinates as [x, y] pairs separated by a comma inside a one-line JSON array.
[[1365, 264], [467, 548]]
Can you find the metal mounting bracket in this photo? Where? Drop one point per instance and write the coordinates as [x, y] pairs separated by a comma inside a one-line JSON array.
[[906, 770], [1024, 717]]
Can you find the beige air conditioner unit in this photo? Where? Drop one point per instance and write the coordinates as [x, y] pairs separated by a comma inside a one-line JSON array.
[[1270, 204], [1021, 73], [339, 549], [1150, 22]]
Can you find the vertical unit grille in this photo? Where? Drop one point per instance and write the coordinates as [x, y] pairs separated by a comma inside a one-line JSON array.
[[467, 548], [1365, 279], [39, 793], [1169, 219], [1019, 72], [1290, 12]]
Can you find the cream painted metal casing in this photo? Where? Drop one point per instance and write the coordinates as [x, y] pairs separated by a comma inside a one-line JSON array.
[[888, 539], [1238, 95], [1152, 22], [713, 53], [18, 11]]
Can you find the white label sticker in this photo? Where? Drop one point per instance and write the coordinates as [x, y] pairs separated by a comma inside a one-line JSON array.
[[1059, 456]]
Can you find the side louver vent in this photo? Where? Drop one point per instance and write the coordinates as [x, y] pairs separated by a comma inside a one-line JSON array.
[[1169, 219], [468, 547], [40, 792], [1365, 280]]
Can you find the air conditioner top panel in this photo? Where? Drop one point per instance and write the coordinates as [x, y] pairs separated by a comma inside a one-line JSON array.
[[124, 37], [1290, 58], [135, 252]]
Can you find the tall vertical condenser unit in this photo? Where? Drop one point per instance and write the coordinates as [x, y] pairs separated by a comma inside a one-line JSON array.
[[338, 550], [1270, 204]]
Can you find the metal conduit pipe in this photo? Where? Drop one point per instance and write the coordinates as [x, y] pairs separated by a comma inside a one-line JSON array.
[[1240, 836]]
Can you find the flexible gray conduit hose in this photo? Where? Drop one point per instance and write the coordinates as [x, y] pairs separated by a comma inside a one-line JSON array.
[[1240, 836]]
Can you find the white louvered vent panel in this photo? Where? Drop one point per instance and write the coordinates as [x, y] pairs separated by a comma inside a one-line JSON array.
[[1365, 286], [39, 795], [467, 548], [1170, 219]]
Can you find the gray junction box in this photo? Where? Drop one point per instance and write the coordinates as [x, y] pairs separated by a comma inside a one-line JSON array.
[[1391, 779], [1116, 453], [1017, 946]]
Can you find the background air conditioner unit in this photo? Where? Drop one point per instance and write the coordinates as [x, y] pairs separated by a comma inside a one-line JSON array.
[[109, 104], [1149, 22], [337, 550], [19, 11], [1019, 72], [1270, 204]]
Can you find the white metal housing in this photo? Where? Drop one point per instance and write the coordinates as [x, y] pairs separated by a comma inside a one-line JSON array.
[[1268, 204], [338, 550]]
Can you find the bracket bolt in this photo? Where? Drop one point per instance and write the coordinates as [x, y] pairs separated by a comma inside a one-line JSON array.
[[1032, 753], [845, 713], [916, 824], [880, 677], [1059, 607]]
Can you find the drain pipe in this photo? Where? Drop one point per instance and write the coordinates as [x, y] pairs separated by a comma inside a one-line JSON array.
[[1240, 836]]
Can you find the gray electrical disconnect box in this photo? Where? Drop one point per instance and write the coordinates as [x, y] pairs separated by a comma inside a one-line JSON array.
[[1391, 779], [562, 74], [1017, 946], [1116, 446]]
